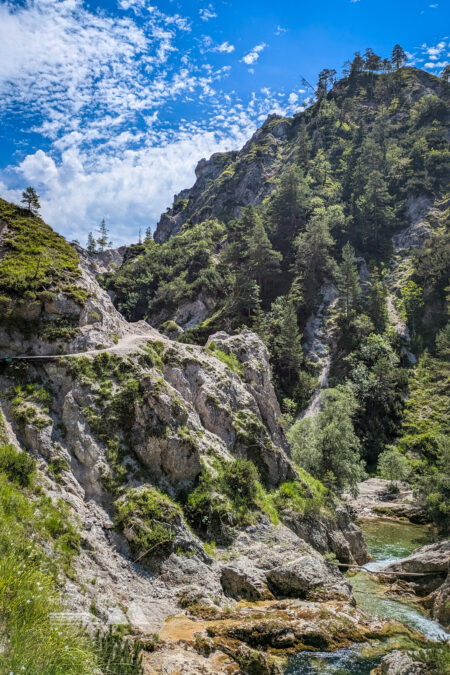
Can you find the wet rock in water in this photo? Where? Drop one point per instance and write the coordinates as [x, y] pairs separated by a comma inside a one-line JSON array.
[[439, 603]]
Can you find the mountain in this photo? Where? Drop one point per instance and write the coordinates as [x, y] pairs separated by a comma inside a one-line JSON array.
[[182, 421]]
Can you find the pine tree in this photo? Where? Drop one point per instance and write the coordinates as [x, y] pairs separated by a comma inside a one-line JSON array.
[[357, 64], [91, 246], [348, 281], [287, 210], [375, 215], [31, 199], [372, 61], [288, 345], [264, 262], [313, 262], [398, 57], [103, 240], [376, 301], [148, 235], [326, 79]]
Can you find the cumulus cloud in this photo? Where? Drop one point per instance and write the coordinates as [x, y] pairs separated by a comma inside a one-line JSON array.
[[433, 57], [100, 90], [207, 13], [225, 47], [254, 54], [130, 188]]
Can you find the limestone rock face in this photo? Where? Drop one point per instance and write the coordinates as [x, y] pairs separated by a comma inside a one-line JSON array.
[[94, 324], [327, 534], [274, 561], [431, 564], [195, 405], [228, 181], [439, 602], [430, 559]]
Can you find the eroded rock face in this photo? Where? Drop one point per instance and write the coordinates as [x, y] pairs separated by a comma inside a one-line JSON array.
[[229, 181], [430, 567], [192, 409], [74, 327], [274, 561], [331, 534]]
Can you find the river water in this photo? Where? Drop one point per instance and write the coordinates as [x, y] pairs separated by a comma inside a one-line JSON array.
[[387, 541]]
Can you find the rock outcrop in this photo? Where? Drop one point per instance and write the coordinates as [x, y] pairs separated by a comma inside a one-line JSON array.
[[424, 573], [376, 499], [229, 181]]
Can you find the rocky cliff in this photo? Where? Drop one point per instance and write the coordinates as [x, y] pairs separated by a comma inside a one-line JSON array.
[[147, 440]]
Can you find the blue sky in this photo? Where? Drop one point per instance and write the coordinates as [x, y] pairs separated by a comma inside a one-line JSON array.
[[107, 105]]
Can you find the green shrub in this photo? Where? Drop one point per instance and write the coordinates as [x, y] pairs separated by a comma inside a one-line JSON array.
[[148, 518], [304, 496], [17, 465], [240, 481], [224, 499]]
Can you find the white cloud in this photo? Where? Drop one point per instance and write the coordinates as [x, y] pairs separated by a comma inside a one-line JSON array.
[[433, 6], [100, 89], [207, 13], [436, 64], [293, 98], [130, 188], [280, 30], [254, 54], [225, 47]]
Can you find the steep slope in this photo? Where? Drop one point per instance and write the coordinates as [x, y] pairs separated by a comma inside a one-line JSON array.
[[162, 450]]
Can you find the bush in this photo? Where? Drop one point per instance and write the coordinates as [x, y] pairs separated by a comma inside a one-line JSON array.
[[148, 519], [17, 465], [240, 481]]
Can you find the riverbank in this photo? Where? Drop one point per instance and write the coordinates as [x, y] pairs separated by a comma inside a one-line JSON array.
[[376, 499]]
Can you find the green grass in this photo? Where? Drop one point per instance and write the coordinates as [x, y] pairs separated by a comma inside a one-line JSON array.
[[36, 260], [36, 542], [230, 360], [304, 496]]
